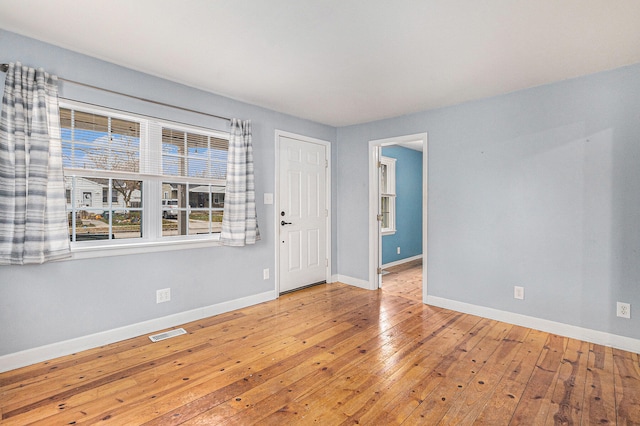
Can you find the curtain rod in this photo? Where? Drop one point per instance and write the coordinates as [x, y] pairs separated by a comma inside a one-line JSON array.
[[5, 68]]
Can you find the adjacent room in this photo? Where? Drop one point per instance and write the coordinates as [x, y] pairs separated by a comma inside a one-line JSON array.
[[320, 212]]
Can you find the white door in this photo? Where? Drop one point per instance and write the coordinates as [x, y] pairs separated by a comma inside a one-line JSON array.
[[302, 215]]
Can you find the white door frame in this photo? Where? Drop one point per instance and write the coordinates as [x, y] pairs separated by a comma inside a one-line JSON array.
[[374, 235], [276, 213]]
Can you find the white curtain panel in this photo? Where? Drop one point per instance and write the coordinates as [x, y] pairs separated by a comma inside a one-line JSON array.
[[33, 219], [239, 221]]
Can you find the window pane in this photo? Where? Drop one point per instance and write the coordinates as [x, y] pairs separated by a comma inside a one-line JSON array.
[[197, 144], [218, 164], [199, 196], [193, 154], [83, 120], [218, 157], [125, 160], [203, 204], [205, 222], [384, 207], [173, 225], [125, 192], [170, 208], [383, 178], [198, 168], [125, 128], [85, 192], [172, 165], [95, 216], [172, 141], [173, 152], [199, 222], [98, 142], [89, 225], [126, 224], [174, 214]]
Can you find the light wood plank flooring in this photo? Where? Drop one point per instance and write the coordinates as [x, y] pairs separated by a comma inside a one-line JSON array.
[[331, 355], [404, 280]]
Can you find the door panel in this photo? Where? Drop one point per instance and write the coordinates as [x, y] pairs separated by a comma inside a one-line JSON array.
[[313, 240], [294, 241], [302, 217]]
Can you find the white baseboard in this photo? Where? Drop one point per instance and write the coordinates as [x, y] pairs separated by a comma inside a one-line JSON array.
[[356, 282], [54, 350], [401, 261], [572, 331], [67, 347]]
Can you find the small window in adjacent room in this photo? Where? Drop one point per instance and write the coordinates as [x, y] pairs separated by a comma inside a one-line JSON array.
[[388, 194]]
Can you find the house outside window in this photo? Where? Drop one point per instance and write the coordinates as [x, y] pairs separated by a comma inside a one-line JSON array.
[[388, 195], [121, 170]]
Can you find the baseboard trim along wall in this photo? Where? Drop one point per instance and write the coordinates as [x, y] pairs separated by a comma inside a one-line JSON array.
[[572, 331], [67, 347], [351, 281], [401, 261]]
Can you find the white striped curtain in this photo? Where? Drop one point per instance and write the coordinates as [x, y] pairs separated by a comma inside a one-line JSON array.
[[239, 220], [33, 219]]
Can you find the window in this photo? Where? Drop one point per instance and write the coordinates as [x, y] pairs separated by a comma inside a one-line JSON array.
[[132, 179], [388, 195], [202, 160]]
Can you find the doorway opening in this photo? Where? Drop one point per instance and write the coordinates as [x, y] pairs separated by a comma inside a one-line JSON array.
[[395, 246], [404, 280]]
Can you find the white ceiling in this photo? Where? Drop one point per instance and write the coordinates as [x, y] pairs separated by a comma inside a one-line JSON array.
[[415, 145], [343, 62]]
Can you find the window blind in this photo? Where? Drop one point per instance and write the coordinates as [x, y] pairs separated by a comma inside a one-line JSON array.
[[97, 142], [193, 155], [92, 141]]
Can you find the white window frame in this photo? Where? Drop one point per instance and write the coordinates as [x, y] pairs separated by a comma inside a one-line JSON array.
[[150, 167], [390, 193]]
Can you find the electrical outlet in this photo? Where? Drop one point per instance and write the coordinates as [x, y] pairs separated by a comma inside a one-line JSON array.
[[265, 274], [163, 295], [623, 310], [518, 292], [398, 250]]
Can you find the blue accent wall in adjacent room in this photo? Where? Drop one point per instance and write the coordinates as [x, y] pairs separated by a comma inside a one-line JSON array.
[[408, 234]]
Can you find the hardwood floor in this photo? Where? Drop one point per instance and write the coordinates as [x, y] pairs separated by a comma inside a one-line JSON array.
[[329, 355], [404, 280]]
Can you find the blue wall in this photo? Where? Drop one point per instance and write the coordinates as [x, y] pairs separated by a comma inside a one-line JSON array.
[[408, 234]]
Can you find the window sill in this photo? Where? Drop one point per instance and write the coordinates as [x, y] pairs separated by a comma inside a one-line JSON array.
[[91, 252], [389, 232]]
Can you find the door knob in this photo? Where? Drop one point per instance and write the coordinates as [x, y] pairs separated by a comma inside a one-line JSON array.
[[283, 223]]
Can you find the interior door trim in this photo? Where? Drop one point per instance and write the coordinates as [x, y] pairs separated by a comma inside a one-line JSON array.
[[374, 239]]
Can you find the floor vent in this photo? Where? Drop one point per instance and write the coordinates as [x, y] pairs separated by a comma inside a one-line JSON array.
[[167, 334]]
